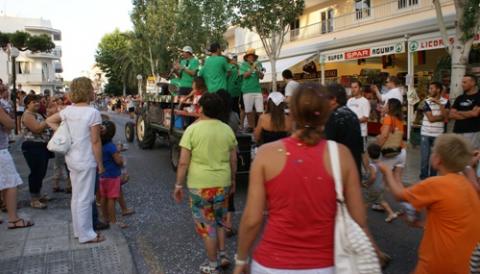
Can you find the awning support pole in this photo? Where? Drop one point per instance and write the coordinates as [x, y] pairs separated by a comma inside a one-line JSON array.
[[410, 85]]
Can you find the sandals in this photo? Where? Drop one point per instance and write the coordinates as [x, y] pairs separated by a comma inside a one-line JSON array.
[[224, 261], [15, 224], [128, 212], [230, 232], [57, 189], [45, 198], [37, 204], [391, 218], [97, 239]]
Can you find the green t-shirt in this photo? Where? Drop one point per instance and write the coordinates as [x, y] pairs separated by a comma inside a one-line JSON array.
[[186, 79], [250, 84], [214, 71], [234, 81], [210, 142]]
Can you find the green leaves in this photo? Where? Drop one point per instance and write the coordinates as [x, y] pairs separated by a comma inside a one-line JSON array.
[[471, 18], [267, 17], [25, 41]]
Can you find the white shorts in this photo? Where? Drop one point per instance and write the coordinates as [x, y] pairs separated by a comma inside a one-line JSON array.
[[253, 99], [260, 269], [397, 161]]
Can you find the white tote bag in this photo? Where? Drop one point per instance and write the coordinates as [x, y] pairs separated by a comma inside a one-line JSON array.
[[61, 140], [354, 253]]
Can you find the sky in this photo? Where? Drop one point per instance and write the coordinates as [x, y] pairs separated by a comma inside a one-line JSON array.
[[82, 23]]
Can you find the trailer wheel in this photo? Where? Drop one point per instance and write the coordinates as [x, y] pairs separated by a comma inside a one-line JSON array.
[[129, 131], [145, 134]]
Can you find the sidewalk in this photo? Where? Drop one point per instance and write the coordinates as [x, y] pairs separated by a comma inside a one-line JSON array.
[[49, 246]]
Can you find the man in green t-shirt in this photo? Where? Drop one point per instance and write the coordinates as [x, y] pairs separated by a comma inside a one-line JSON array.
[[186, 70], [234, 83], [214, 71], [252, 72], [209, 156]]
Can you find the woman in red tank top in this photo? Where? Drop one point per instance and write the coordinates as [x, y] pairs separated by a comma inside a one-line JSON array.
[[291, 178]]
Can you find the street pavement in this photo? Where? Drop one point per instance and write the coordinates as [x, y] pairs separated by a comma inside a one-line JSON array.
[[161, 235], [49, 246]]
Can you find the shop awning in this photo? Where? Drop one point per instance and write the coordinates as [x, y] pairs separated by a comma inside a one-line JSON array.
[[364, 51], [283, 64]]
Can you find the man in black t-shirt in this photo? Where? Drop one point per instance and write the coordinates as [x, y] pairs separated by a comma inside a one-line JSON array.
[[343, 125], [466, 111]]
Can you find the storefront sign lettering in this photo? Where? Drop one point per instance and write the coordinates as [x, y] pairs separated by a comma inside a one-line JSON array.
[[357, 54], [364, 53], [334, 57], [434, 43]]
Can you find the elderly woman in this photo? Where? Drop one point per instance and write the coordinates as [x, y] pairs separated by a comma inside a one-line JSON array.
[[84, 157], [9, 178], [208, 152], [36, 135], [292, 180]]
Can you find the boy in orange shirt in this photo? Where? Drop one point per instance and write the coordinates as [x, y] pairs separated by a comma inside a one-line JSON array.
[[452, 227]]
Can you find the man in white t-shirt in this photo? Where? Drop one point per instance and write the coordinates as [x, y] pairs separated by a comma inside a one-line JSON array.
[[291, 85], [394, 91], [361, 107]]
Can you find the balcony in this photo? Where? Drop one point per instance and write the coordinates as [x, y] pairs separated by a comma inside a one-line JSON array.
[[391, 9], [56, 53]]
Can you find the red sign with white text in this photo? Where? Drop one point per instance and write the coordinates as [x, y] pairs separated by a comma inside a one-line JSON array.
[[357, 54]]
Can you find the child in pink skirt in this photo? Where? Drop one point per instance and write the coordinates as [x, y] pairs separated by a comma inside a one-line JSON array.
[[110, 180]]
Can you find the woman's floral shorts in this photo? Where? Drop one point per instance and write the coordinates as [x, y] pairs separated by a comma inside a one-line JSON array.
[[209, 209]]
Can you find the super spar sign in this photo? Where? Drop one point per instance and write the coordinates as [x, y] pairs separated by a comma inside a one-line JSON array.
[[364, 53]]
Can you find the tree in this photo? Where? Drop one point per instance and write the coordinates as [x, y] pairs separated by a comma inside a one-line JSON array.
[[24, 41], [467, 25], [271, 21], [165, 26]]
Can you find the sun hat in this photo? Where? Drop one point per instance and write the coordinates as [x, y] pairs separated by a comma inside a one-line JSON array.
[[250, 51], [276, 97], [188, 49]]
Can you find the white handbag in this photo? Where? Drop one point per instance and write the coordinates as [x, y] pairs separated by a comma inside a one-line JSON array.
[[61, 140], [354, 253]]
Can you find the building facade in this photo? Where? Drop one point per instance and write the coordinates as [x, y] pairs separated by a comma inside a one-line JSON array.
[[340, 40], [337, 41], [35, 71]]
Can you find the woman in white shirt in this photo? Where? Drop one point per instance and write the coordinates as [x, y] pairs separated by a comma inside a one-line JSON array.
[[84, 157]]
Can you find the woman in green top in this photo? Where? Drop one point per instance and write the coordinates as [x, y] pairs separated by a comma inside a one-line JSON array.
[[208, 153]]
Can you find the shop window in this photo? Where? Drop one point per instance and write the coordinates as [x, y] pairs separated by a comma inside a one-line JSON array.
[[362, 9], [407, 3], [294, 29], [327, 20]]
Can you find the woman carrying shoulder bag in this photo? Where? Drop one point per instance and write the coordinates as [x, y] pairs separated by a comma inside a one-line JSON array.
[[391, 138], [36, 135], [293, 179]]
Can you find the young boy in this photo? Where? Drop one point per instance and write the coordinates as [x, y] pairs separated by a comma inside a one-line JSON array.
[[453, 208], [375, 183]]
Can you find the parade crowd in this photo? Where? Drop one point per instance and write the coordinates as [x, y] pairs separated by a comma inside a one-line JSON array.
[[92, 169], [292, 184], [310, 138]]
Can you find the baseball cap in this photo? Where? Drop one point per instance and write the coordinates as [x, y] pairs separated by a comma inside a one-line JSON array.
[[276, 97], [187, 49]]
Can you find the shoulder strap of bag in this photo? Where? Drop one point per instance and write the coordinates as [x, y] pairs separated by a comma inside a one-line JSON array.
[[335, 163]]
